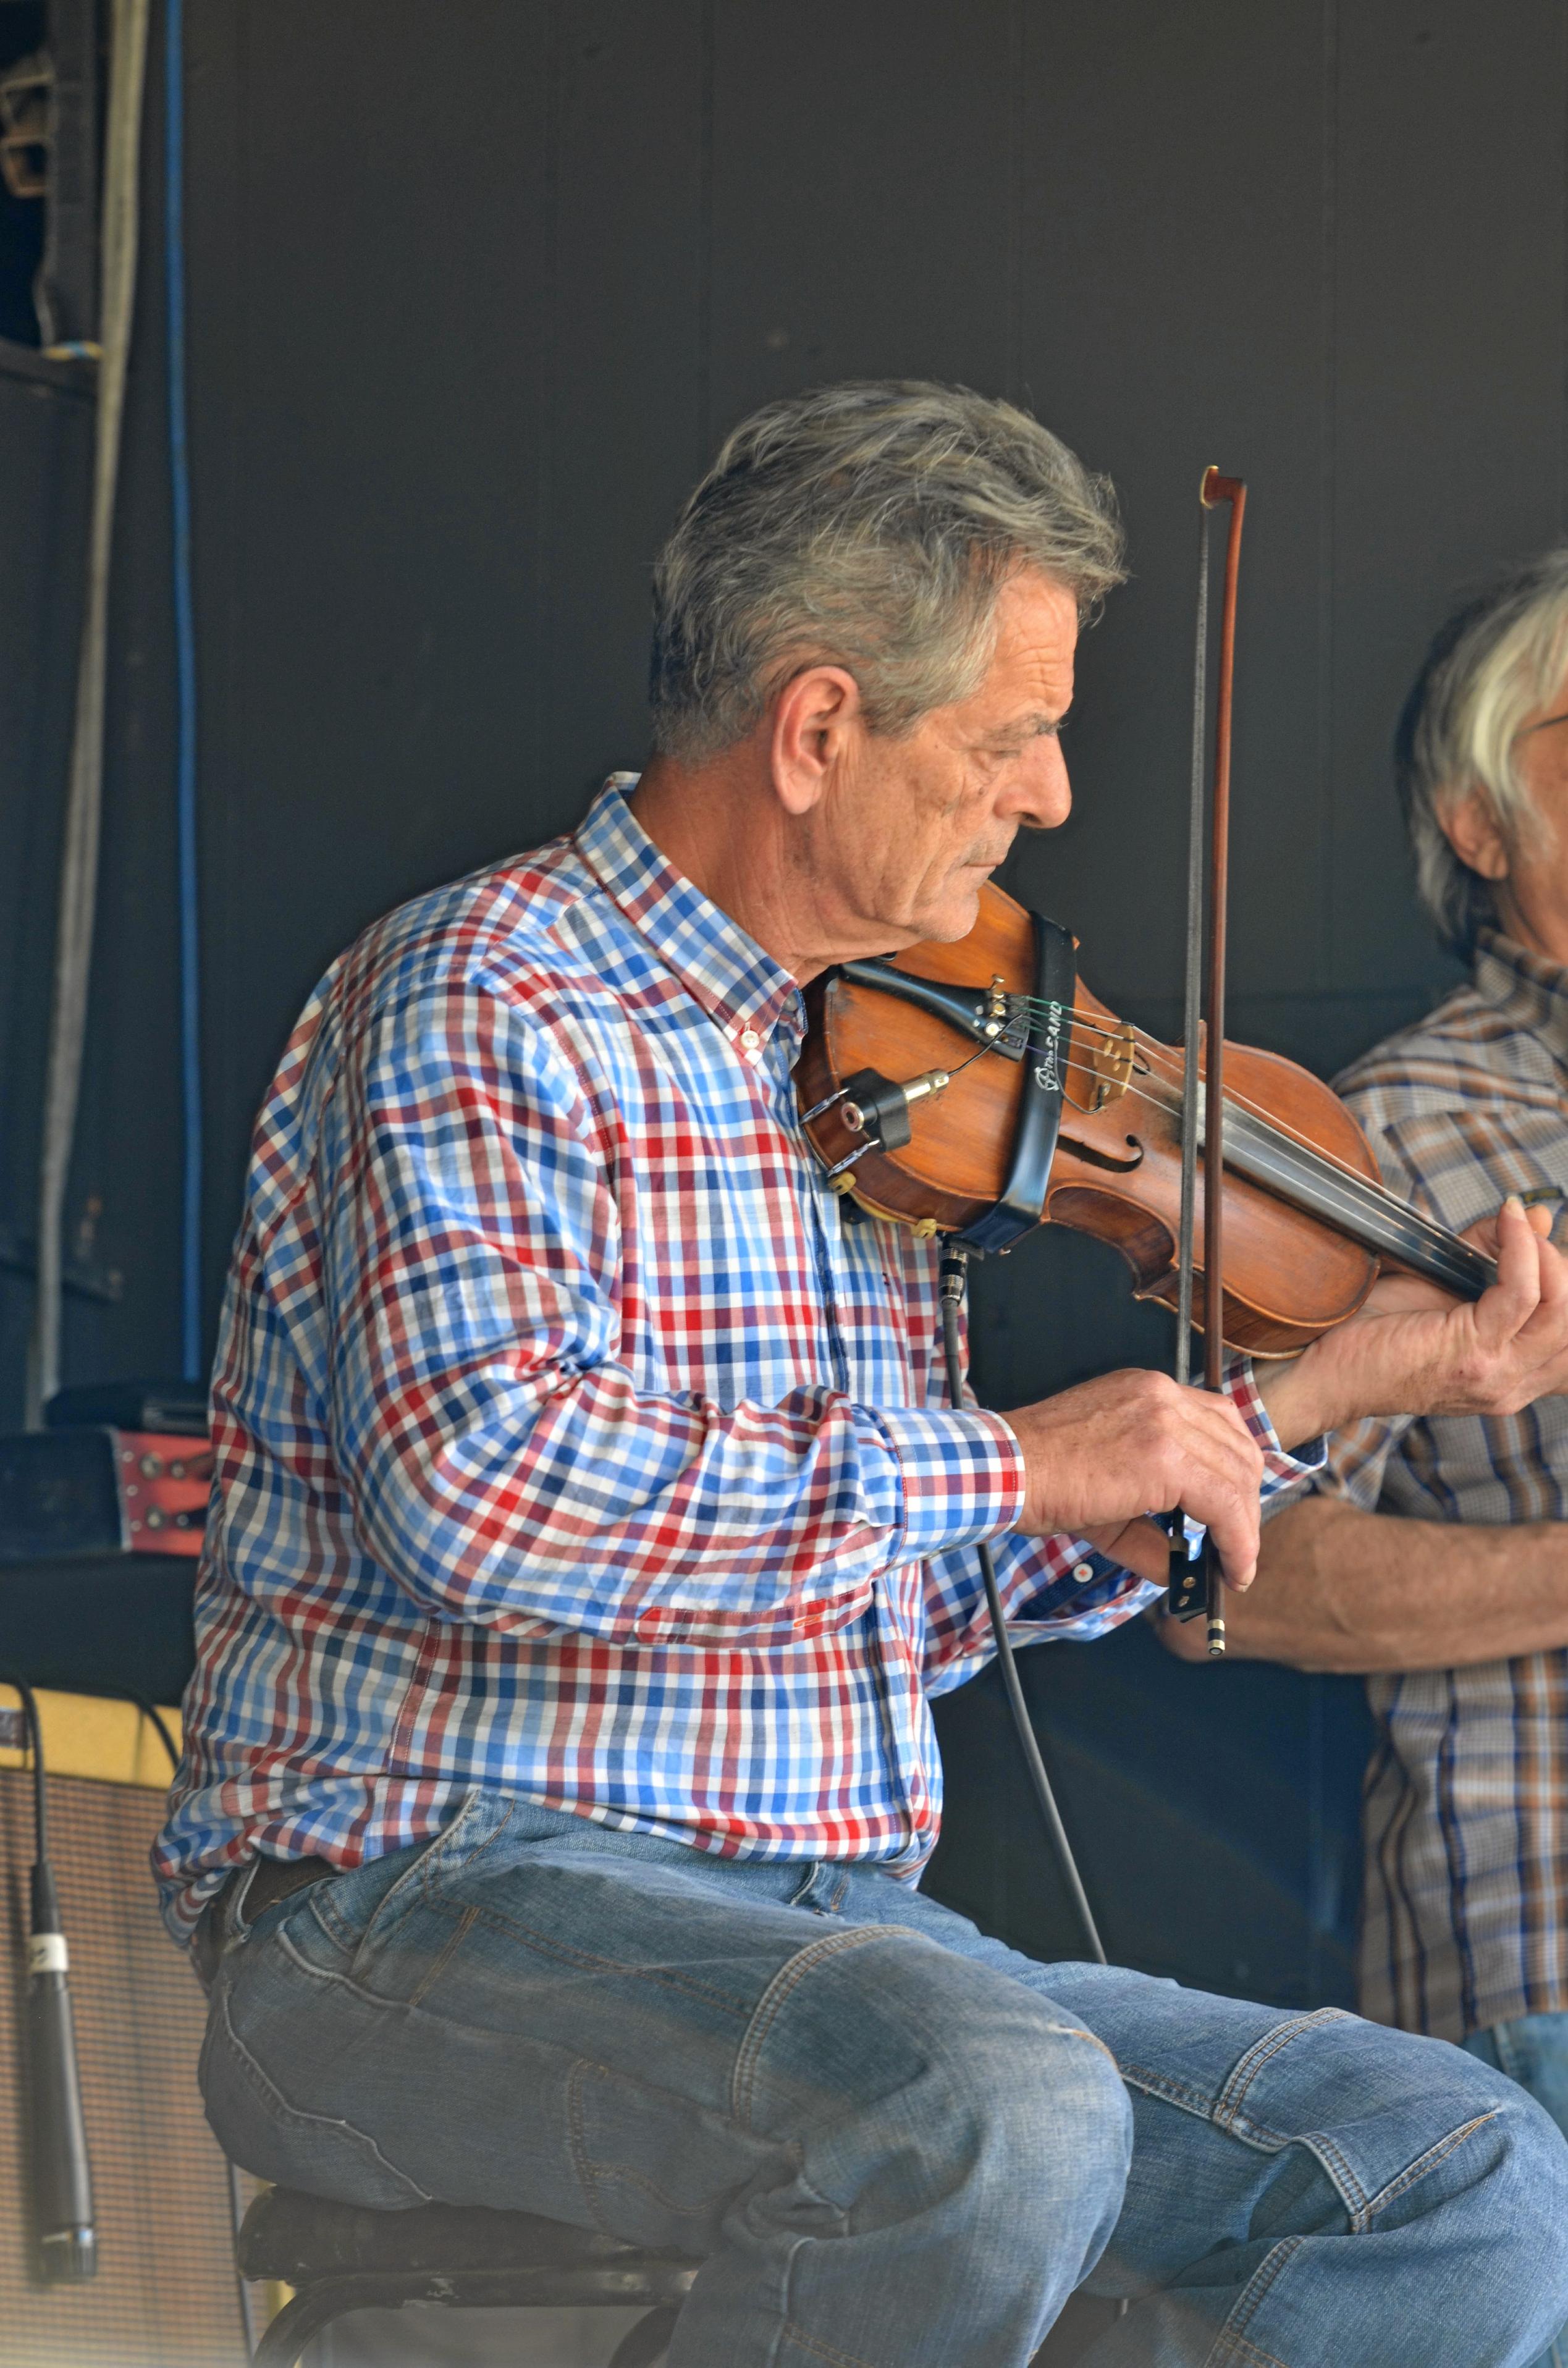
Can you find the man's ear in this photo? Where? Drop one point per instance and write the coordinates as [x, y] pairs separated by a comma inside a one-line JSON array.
[[1470, 828], [816, 717]]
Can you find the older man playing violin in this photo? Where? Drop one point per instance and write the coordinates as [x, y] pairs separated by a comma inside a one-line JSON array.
[[1431, 1554], [592, 1526]]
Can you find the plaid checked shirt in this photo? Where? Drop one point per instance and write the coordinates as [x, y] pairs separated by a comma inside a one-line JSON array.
[[572, 1438], [1465, 1912]]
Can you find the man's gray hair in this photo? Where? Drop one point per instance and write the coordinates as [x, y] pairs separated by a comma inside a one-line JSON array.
[[869, 526], [1502, 656]]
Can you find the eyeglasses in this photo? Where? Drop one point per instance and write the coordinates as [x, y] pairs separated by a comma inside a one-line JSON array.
[[1544, 725]]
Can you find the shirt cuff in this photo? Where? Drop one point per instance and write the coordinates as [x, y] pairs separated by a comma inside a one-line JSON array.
[[1283, 1468], [1082, 1593], [961, 1475]]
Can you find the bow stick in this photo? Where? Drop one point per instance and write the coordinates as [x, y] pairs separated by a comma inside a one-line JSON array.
[[1182, 1598]]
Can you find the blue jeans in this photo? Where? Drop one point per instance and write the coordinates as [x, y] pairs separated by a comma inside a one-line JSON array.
[[1534, 2052], [895, 2142]]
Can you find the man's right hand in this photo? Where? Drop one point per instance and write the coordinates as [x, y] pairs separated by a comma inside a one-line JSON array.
[[1100, 1456]]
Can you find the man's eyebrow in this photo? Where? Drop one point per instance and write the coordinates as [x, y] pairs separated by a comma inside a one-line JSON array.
[[1031, 727]]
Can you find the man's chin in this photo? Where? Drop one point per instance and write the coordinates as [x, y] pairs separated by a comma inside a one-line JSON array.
[[958, 911]]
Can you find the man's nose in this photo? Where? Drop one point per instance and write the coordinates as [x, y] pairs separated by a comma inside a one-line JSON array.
[[1039, 793]]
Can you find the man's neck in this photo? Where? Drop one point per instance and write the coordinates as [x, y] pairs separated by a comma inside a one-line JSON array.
[[1540, 925], [720, 824]]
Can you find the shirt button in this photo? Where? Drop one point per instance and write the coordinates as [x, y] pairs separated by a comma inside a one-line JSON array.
[[1083, 1572], [750, 1039]]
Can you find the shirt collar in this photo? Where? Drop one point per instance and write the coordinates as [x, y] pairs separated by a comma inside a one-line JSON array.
[[737, 983], [1530, 992]]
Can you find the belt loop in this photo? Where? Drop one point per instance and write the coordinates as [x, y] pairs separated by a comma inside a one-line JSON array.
[[822, 1888]]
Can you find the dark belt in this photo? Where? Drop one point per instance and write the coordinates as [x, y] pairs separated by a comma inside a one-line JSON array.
[[260, 1885]]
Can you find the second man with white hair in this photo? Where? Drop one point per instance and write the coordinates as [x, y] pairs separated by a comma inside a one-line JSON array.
[[1431, 1555]]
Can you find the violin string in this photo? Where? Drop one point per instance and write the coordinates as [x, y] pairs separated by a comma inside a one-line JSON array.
[[1166, 1063], [1119, 1034], [1167, 1054], [1313, 1154], [1039, 1008]]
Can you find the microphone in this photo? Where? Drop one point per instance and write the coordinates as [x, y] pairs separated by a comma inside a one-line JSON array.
[[61, 2180], [58, 2176]]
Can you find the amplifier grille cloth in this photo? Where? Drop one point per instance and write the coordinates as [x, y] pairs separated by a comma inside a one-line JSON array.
[[164, 2295]]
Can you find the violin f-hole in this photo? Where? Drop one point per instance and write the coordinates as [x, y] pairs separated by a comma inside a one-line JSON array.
[[1092, 1157]]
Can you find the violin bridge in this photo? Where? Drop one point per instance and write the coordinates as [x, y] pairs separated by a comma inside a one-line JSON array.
[[1113, 1060]]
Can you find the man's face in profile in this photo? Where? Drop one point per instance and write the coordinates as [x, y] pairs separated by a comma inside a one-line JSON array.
[[919, 822]]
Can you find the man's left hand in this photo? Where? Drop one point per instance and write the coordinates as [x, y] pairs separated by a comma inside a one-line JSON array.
[[1413, 1350]]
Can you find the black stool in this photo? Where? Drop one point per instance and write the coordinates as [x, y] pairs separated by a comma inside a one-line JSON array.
[[340, 2257]]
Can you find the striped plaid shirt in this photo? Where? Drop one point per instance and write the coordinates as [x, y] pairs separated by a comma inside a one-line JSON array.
[[1465, 1919], [572, 1438]]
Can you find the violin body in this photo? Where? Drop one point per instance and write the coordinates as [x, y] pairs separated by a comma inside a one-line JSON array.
[[1116, 1171]]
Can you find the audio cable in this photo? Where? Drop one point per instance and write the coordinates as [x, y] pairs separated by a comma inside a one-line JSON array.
[[955, 1271]]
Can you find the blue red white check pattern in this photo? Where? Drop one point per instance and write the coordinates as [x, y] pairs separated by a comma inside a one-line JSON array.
[[571, 1438]]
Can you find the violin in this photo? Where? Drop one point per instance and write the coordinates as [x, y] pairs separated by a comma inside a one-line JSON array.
[[979, 1088]]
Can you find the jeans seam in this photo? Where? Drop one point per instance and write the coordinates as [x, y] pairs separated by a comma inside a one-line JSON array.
[[1232, 2343], [416, 1884], [465, 1918], [273, 2099], [823, 2351], [589, 2171], [1072, 2031], [343, 1981], [443, 1958], [581, 1958], [1236, 2352], [785, 1982], [1417, 2170], [1247, 2132], [342, 1935], [445, 1840], [1179, 2093], [1262, 2050], [576, 2137], [1352, 2194]]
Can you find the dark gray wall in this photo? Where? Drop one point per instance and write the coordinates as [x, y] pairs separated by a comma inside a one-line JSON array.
[[474, 290]]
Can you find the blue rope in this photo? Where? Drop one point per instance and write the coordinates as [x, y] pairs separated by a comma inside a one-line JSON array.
[[185, 687]]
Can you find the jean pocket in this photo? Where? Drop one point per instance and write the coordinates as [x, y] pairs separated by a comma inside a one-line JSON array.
[[262, 2127], [360, 1913]]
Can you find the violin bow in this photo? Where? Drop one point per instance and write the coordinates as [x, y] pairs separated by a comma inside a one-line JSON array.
[[1182, 1598]]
